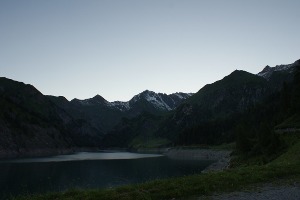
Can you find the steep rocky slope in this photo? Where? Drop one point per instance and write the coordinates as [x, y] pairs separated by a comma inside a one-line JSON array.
[[104, 115], [30, 124], [214, 110]]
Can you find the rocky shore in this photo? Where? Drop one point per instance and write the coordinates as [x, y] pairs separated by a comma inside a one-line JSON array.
[[221, 157]]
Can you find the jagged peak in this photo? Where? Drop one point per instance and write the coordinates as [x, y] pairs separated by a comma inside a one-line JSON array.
[[237, 71], [237, 74], [148, 92], [297, 62], [62, 98], [158, 100], [268, 71], [92, 101], [267, 68], [98, 98]]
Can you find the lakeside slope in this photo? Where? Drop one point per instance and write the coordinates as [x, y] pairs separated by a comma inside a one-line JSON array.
[[285, 166]]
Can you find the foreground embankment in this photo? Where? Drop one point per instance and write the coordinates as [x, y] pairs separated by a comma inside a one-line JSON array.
[[285, 166], [221, 157]]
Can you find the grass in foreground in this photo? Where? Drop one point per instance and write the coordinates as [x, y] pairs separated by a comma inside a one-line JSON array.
[[285, 166], [293, 121]]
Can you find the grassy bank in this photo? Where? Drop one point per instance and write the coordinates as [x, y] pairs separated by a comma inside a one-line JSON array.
[[285, 166]]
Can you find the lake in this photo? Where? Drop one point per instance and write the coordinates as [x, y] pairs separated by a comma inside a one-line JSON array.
[[89, 170]]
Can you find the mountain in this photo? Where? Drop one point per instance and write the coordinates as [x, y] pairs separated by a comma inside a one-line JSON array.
[[279, 74], [210, 115], [214, 108], [31, 124], [235, 92], [104, 115], [34, 124], [257, 130], [135, 132], [155, 103], [268, 71]]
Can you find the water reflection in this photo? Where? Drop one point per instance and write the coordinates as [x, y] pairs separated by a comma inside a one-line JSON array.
[[89, 170], [85, 156]]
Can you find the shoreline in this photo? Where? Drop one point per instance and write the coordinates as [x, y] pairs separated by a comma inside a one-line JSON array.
[[221, 158], [45, 152]]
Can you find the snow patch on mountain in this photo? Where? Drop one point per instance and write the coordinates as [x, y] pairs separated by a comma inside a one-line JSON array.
[[158, 100], [181, 95], [120, 105], [268, 71], [135, 98], [85, 102]]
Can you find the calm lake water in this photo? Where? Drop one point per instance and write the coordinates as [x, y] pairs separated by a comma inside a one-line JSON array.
[[89, 170]]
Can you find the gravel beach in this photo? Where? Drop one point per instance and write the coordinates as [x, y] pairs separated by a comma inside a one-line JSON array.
[[268, 191], [221, 157]]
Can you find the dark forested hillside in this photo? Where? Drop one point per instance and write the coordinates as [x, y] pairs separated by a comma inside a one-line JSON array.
[[211, 115], [30, 124], [133, 132], [258, 129], [104, 115], [243, 106], [94, 110]]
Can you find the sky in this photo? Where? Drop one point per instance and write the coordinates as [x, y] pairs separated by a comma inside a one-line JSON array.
[[119, 48]]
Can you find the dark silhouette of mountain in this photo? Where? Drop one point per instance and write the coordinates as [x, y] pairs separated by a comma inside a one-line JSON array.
[[214, 110], [34, 124], [31, 124], [210, 115], [104, 115]]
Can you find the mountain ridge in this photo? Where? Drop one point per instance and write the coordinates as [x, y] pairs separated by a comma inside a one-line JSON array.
[[208, 117], [104, 115], [156, 98], [268, 71], [32, 125], [31, 121]]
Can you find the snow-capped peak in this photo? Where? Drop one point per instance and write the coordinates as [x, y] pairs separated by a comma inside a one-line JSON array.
[[153, 98], [120, 105], [268, 71], [181, 95], [157, 100], [160, 101]]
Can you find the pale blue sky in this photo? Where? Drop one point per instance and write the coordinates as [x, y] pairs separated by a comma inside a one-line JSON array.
[[118, 48]]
